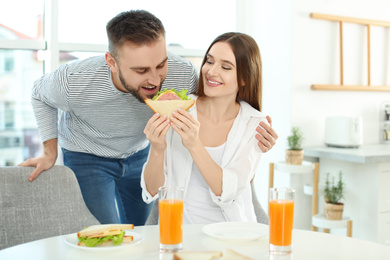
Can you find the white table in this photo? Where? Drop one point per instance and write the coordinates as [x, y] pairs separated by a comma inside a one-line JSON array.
[[307, 245]]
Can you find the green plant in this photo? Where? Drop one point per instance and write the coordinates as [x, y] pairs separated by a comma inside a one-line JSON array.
[[295, 140], [334, 192]]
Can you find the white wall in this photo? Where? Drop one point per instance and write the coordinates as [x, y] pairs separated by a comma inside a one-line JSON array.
[[272, 30], [315, 60], [299, 51]]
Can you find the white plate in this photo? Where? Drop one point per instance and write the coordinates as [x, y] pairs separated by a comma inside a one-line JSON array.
[[236, 231], [73, 241]]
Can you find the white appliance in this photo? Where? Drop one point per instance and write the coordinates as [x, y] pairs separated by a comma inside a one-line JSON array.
[[344, 132]]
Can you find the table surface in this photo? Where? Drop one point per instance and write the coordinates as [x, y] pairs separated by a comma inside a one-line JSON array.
[[306, 245]]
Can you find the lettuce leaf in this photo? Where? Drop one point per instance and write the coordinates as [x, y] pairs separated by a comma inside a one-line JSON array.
[[94, 241], [182, 93]]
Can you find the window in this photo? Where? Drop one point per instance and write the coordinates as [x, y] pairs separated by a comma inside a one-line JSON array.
[[21, 19], [191, 25], [76, 30], [8, 62]]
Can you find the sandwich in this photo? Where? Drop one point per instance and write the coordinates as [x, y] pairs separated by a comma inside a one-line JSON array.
[[108, 234], [167, 101]]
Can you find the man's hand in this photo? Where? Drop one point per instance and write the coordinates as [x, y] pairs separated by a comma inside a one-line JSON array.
[[266, 135], [43, 162]]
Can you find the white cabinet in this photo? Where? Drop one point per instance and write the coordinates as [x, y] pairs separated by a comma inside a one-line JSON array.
[[384, 228], [383, 188], [384, 204]]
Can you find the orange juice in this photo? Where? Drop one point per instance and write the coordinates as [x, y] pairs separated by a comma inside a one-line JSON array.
[[171, 221], [281, 218]]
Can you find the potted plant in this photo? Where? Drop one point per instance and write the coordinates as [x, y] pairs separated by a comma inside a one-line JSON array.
[[333, 208], [294, 155]]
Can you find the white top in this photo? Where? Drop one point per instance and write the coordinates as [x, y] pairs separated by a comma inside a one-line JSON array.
[[307, 245], [199, 205], [239, 164]]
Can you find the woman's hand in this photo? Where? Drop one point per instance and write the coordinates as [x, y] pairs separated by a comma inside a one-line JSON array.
[[187, 127], [156, 130]]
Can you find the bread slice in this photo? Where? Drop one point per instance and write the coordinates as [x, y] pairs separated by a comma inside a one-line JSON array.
[[126, 239], [233, 255], [195, 255], [104, 230], [166, 107]]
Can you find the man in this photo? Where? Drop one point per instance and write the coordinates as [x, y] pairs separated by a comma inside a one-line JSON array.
[[103, 115]]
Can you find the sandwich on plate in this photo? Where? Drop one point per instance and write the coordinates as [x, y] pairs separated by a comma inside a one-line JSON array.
[[108, 234], [167, 101]]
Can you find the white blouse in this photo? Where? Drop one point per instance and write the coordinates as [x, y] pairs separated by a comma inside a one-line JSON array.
[[239, 162]]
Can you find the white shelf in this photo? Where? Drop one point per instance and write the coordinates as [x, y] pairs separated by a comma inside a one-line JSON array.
[[305, 168], [321, 222]]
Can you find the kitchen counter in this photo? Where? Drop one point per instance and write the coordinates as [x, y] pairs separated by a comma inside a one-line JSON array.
[[369, 153]]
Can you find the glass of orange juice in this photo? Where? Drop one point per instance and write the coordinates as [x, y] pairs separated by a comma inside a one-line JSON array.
[[170, 206], [281, 220]]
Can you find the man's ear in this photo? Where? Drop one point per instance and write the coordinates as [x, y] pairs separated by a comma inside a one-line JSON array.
[[111, 62]]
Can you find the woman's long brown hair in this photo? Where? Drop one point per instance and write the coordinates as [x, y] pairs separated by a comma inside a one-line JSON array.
[[248, 61]]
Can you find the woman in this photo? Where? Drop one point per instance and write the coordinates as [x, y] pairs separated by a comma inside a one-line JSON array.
[[211, 150]]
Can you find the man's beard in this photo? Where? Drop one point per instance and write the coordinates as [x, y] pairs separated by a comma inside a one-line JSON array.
[[133, 91]]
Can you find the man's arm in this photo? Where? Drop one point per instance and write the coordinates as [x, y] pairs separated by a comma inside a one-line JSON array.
[[266, 135], [43, 162], [48, 94]]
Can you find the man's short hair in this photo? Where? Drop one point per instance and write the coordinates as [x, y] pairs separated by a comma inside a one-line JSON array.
[[137, 26]]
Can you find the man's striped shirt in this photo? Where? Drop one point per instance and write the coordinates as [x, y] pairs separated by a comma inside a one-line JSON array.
[[95, 117]]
